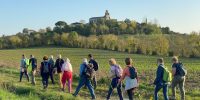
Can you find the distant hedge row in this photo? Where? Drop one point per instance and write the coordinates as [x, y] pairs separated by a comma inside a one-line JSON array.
[[166, 45]]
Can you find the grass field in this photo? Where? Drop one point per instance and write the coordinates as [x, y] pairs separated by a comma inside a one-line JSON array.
[[11, 89]]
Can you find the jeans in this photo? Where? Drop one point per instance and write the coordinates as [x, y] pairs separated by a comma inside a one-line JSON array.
[[85, 81], [22, 73], [180, 81], [165, 91], [33, 76], [45, 78], [51, 76], [114, 85], [130, 93]]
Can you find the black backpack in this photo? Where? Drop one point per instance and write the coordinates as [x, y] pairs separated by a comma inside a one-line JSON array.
[[95, 65], [89, 71], [182, 70], [133, 73], [46, 67]]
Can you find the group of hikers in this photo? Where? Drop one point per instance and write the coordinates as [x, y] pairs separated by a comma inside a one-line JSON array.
[[88, 70]]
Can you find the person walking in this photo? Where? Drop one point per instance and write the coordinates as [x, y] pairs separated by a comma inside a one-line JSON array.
[[67, 75], [130, 76], [52, 68], [23, 68], [159, 82], [115, 74], [58, 65], [84, 79], [33, 63], [96, 67], [179, 74], [45, 71]]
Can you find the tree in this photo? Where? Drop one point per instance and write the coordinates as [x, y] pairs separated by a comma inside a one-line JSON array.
[[161, 45], [102, 29], [123, 26], [48, 29], [64, 38], [15, 41], [57, 39], [73, 39], [60, 25], [25, 30]]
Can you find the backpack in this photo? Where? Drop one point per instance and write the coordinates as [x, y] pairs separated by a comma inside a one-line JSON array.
[[89, 71], [45, 67], [167, 75], [96, 65], [182, 70], [26, 63], [118, 71], [133, 73], [51, 62]]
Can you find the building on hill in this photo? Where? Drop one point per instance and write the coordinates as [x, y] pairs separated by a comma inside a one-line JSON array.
[[96, 19]]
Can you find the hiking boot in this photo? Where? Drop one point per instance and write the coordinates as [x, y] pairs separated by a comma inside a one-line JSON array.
[[172, 98], [63, 90], [74, 95]]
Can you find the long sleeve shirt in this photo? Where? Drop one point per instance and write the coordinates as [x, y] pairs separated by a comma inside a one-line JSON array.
[[159, 75], [66, 67], [82, 69]]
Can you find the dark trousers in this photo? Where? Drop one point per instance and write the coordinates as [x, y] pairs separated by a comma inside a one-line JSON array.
[[51, 76], [94, 81], [114, 85], [130, 93], [22, 73], [165, 91], [45, 78]]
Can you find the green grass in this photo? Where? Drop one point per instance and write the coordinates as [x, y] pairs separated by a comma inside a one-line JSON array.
[[146, 65]]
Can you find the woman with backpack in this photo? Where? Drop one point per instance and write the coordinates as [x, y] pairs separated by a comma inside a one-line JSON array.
[[115, 74], [130, 76], [45, 71], [67, 75], [84, 79]]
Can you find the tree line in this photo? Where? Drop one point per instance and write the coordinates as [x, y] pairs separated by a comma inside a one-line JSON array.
[[126, 36]]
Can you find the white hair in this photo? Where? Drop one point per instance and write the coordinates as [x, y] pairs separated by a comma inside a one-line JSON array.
[[59, 56], [51, 56], [85, 60], [67, 60]]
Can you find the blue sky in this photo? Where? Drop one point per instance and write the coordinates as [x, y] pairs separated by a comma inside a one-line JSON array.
[[179, 15]]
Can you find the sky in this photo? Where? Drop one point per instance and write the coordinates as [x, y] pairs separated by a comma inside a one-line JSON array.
[[180, 15]]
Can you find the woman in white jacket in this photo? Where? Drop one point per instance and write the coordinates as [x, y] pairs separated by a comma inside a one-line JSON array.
[[67, 75]]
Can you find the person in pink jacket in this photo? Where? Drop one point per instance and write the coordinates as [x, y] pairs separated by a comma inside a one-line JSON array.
[[67, 75], [130, 76]]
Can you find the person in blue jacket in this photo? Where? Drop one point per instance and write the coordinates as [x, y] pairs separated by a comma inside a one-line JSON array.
[[159, 83], [84, 80]]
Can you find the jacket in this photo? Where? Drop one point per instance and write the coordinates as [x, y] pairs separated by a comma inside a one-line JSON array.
[[159, 75]]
